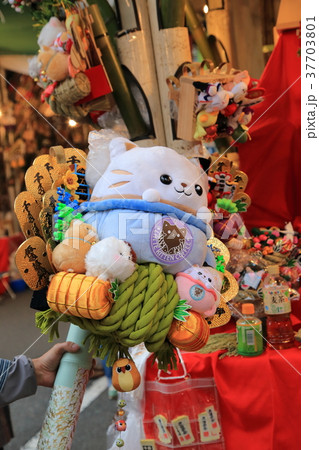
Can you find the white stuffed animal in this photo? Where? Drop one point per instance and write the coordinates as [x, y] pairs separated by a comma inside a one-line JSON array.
[[110, 259], [50, 31], [152, 174], [153, 198]]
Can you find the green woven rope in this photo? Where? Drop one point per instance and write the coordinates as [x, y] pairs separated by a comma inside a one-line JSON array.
[[134, 307], [143, 312], [150, 306], [155, 341]]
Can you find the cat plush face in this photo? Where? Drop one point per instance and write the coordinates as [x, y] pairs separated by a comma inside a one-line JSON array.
[[210, 277], [167, 175]]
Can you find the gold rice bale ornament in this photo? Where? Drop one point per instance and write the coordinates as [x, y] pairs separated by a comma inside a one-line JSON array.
[[190, 335], [80, 295]]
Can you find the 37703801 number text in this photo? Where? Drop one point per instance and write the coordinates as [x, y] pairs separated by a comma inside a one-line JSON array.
[[310, 47]]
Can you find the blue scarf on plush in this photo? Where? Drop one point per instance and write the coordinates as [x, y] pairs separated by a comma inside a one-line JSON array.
[[135, 220]]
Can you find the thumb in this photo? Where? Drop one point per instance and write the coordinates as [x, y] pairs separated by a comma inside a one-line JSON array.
[[63, 347], [71, 347]]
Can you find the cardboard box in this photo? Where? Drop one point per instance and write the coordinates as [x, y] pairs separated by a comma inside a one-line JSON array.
[[289, 15]]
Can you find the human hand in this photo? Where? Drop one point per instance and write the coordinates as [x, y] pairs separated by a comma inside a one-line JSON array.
[[46, 366]]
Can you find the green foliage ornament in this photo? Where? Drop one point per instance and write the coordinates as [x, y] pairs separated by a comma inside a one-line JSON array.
[[180, 312]]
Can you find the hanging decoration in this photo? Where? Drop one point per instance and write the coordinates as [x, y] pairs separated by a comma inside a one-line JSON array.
[[122, 293]]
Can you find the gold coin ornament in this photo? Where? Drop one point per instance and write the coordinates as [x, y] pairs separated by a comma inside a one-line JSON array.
[[219, 249], [38, 181], [50, 245], [222, 314], [227, 184], [33, 263], [240, 178], [75, 156], [50, 199], [230, 287], [219, 164], [27, 210], [242, 200], [47, 161], [46, 218]]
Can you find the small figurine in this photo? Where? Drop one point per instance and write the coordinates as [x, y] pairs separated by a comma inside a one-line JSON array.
[[125, 376], [200, 286], [69, 255], [120, 425], [110, 259]]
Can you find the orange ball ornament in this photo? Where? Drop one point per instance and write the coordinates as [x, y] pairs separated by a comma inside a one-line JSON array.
[[190, 335]]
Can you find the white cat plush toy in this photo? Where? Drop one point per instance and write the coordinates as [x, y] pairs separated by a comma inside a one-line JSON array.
[[153, 198]]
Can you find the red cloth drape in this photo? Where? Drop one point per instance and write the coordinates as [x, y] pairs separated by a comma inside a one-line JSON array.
[[259, 397], [4, 260], [8, 244], [272, 158]]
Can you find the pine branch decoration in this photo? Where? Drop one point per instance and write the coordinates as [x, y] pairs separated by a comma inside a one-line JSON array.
[[180, 312]]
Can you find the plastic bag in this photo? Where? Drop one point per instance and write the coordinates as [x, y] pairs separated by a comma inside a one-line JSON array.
[[182, 412]]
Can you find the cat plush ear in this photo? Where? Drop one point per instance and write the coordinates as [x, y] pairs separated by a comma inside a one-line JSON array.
[[102, 144], [120, 145]]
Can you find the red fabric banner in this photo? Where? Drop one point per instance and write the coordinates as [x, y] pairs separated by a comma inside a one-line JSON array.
[[272, 158]]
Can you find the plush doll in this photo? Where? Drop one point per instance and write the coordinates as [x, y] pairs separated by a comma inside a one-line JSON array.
[[239, 77], [50, 31], [212, 98], [243, 114], [69, 255], [205, 125], [63, 42], [54, 64], [156, 200], [218, 99], [200, 286], [110, 259]]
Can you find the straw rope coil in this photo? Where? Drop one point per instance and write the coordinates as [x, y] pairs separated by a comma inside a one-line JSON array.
[[143, 312]]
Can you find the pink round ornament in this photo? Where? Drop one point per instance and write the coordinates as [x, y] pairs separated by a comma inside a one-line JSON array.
[[201, 288]]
